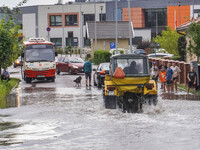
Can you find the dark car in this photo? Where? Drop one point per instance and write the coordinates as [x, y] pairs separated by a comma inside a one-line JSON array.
[[99, 75], [72, 65], [140, 51], [18, 62]]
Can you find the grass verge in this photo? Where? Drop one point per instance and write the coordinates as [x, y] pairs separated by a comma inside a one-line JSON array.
[[5, 89], [185, 88]]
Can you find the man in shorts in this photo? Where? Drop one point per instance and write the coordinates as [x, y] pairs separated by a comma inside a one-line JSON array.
[[192, 78], [88, 71]]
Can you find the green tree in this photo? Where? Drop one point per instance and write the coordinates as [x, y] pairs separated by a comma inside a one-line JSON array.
[[182, 47], [9, 37], [168, 41], [193, 33]]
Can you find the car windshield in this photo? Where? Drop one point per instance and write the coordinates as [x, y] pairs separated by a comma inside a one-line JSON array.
[[132, 67], [105, 66], [76, 60], [39, 53]]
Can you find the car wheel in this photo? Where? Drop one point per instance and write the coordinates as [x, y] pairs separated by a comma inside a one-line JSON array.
[[57, 71], [70, 71]]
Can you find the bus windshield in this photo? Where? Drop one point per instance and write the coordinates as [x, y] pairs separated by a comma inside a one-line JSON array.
[[39, 54]]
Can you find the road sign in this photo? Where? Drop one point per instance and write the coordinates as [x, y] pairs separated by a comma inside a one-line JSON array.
[[75, 40], [112, 45], [48, 29]]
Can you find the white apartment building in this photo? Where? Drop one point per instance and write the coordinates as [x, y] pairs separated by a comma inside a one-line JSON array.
[[65, 21]]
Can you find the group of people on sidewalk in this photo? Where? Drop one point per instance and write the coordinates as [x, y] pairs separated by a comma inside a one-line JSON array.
[[168, 76]]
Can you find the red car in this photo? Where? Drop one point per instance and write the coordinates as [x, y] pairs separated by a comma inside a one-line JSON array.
[[72, 65]]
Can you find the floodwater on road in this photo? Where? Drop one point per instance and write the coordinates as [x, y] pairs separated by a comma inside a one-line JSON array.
[[75, 118]]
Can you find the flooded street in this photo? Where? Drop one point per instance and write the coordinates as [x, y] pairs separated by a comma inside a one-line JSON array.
[[65, 117]]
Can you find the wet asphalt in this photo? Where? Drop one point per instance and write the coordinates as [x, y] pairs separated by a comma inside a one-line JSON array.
[[45, 115]]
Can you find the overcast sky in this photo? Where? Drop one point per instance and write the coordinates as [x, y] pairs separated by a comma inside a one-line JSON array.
[[13, 3]]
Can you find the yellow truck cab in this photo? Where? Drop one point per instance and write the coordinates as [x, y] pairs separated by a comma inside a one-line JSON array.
[[128, 83]]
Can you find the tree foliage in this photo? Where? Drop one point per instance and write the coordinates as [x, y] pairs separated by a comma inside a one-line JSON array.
[[193, 33], [182, 47], [9, 37], [168, 41], [143, 44]]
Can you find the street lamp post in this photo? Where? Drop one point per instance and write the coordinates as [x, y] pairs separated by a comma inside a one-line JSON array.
[[156, 23], [130, 27], [179, 4], [95, 25], [116, 28], [101, 11]]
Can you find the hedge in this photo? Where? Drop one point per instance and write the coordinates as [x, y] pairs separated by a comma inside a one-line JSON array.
[[101, 56]]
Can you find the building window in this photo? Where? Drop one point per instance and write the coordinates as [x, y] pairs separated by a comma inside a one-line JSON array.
[[71, 20], [57, 41], [102, 17], [56, 20], [119, 14], [72, 41], [150, 17], [88, 17]]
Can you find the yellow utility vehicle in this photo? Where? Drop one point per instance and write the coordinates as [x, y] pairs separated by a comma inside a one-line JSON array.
[[128, 84]]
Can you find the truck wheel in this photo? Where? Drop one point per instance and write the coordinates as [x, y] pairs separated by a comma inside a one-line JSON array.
[[110, 102], [53, 79], [57, 71], [28, 80], [131, 105]]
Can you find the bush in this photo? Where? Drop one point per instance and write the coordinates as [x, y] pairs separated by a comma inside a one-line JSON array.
[[143, 44], [121, 52], [101, 56]]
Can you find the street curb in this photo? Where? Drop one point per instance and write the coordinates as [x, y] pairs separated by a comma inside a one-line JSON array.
[[15, 85]]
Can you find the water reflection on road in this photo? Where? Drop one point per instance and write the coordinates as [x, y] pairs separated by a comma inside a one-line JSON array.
[[74, 118]]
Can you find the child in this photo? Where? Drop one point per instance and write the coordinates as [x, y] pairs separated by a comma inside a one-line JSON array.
[[163, 75]]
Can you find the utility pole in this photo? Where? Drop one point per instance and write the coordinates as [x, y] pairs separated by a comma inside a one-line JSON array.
[[156, 23], [130, 27], [179, 4], [63, 31], [81, 30], [95, 26], [116, 28]]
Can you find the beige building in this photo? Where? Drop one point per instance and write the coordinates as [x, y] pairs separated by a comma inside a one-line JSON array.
[[105, 35]]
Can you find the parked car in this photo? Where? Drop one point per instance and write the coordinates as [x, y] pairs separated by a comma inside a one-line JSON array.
[[72, 65], [140, 51], [99, 75], [160, 55], [18, 62]]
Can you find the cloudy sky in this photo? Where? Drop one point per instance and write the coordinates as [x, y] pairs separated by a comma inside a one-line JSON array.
[[13, 3]]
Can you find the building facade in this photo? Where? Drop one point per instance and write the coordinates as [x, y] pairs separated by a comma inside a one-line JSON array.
[[149, 18], [66, 22]]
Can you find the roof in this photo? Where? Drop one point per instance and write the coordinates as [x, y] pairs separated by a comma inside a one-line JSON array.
[[186, 25], [106, 30], [128, 56]]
